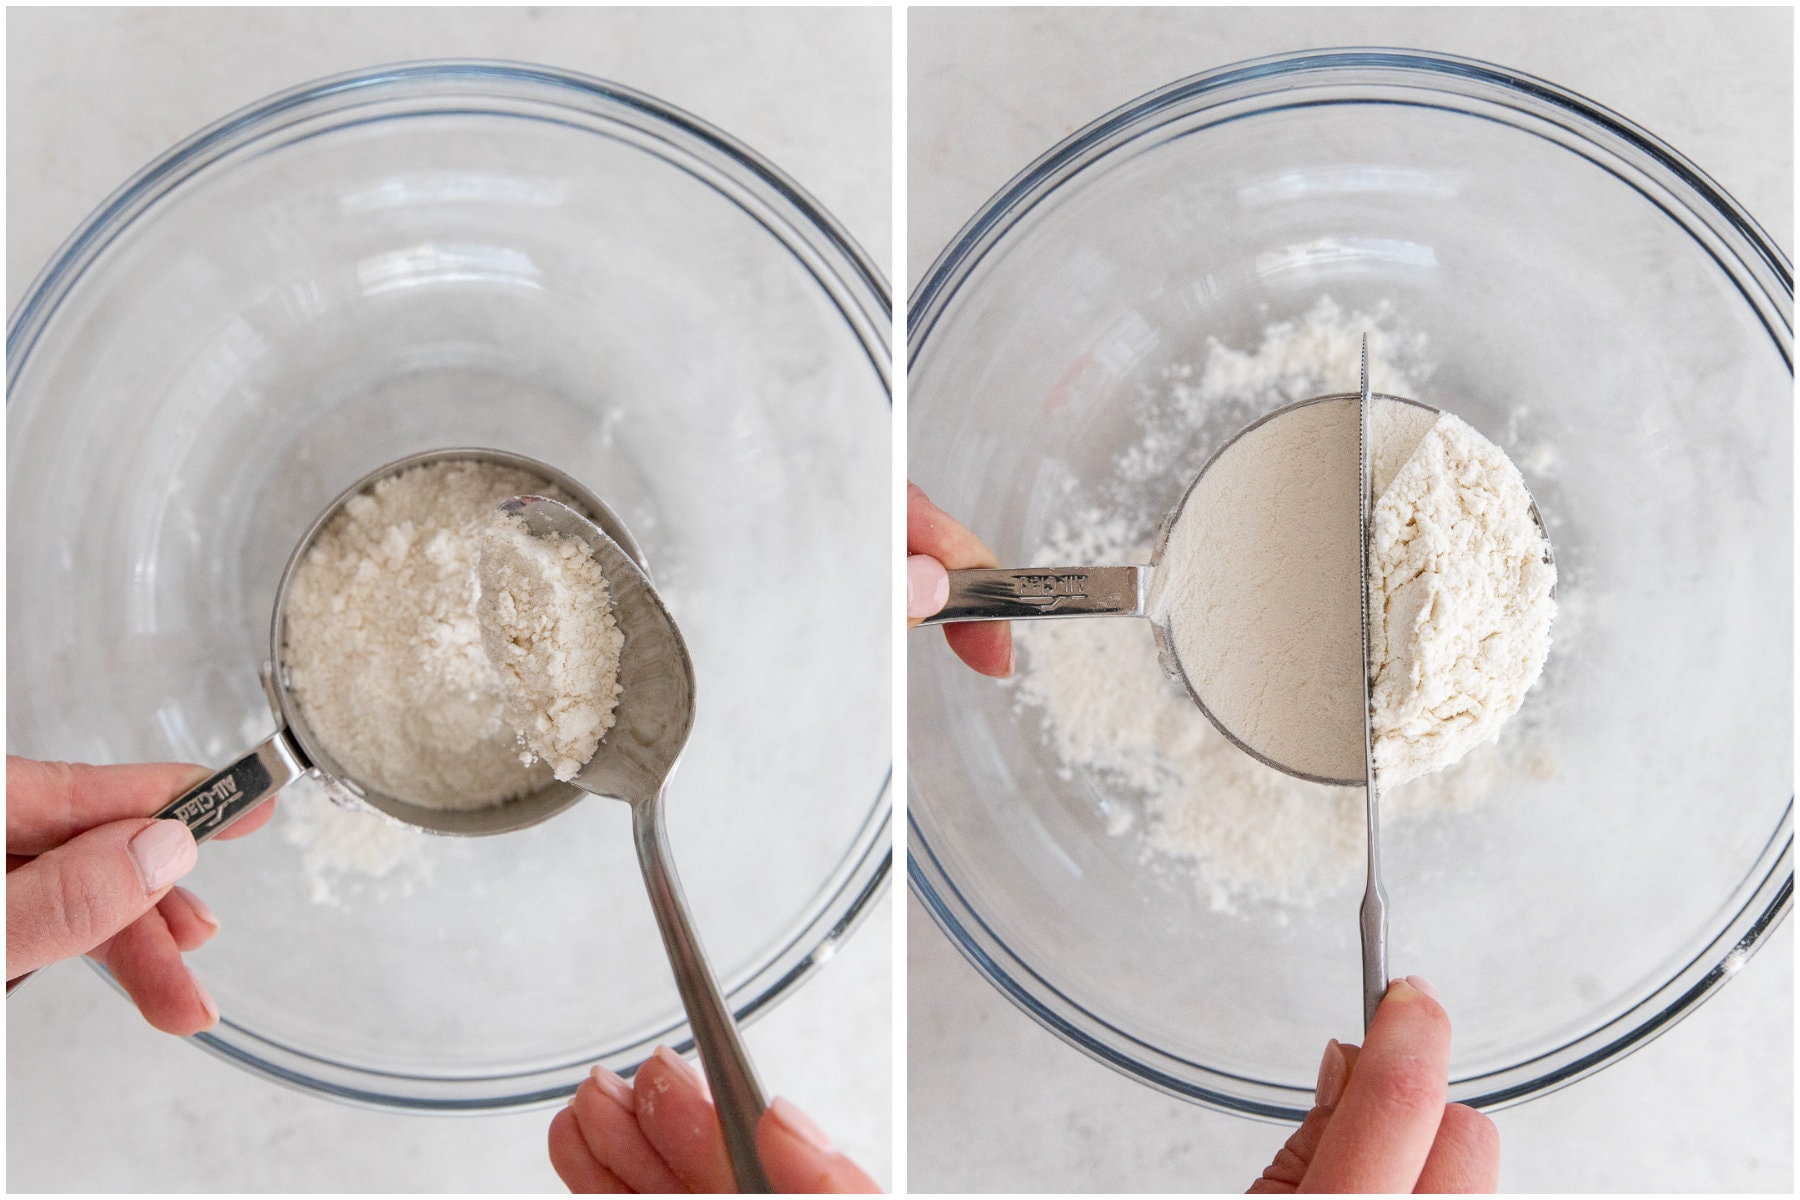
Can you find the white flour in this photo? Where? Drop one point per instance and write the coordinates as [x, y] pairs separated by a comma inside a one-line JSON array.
[[1248, 832], [1460, 602], [1259, 583], [547, 623], [383, 647], [345, 851]]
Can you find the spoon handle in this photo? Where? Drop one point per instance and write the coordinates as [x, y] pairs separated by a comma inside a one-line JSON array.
[[736, 1093], [1035, 593]]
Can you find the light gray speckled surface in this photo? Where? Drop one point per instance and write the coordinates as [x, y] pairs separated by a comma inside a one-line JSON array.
[[96, 1100], [997, 1103]]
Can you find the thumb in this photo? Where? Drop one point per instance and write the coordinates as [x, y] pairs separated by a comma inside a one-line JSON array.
[[927, 586], [798, 1157], [71, 898]]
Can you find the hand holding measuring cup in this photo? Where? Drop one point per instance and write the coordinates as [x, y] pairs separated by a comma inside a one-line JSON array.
[[937, 543], [88, 872]]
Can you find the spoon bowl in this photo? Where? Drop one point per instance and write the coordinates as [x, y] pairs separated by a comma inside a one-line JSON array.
[[656, 705]]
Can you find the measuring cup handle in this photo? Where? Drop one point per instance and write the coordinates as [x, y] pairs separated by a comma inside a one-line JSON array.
[[1039, 593], [225, 796], [737, 1095]]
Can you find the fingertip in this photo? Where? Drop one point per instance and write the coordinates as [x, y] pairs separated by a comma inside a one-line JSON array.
[[927, 586], [613, 1086], [208, 1005], [787, 1114], [1334, 1072], [676, 1115], [1415, 1002], [1475, 1125], [682, 1070], [799, 1156], [1465, 1157], [191, 923], [162, 851], [198, 906], [573, 1162], [1418, 984], [986, 646]]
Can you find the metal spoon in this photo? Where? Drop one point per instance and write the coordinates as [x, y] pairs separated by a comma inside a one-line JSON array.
[[634, 763]]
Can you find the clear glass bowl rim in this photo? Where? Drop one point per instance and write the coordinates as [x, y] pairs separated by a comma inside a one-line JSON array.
[[1764, 277], [856, 287]]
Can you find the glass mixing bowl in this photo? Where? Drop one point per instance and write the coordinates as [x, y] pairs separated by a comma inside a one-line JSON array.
[[449, 254], [1584, 290]]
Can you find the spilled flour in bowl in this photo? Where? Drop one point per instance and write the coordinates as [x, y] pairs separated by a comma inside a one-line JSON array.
[[1246, 832]]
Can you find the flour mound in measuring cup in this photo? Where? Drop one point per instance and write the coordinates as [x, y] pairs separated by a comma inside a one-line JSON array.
[[546, 620], [1459, 601], [383, 648]]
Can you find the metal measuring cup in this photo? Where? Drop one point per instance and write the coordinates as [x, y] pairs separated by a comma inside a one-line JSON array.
[[1054, 592], [293, 750], [1049, 593]]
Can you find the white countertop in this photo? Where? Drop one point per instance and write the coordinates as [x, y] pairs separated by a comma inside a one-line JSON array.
[[98, 1101], [995, 1102]]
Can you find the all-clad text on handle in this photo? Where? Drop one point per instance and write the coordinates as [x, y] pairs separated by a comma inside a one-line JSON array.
[[1037, 593], [222, 798]]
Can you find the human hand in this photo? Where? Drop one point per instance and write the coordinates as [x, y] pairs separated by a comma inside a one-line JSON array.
[[935, 541], [662, 1135], [1380, 1123], [88, 873]]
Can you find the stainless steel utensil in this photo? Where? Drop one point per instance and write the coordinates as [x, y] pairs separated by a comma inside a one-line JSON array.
[[293, 750], [634, 763], [1052, 592], [1373, 916], [1039, 593]]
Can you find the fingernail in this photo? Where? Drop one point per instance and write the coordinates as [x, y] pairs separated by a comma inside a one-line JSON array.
[[927, 585], [1010, 655], [1419, 982], [162, 851], [789, 1116], [1334, 1070], [615, 1086], [206, 1000], [200, 908], [681, 1067]]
